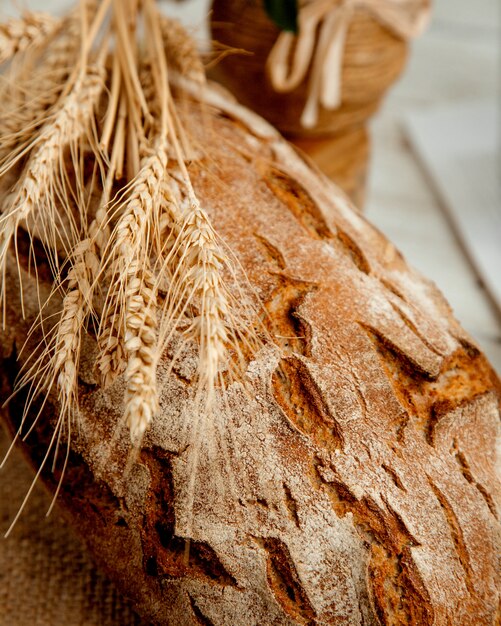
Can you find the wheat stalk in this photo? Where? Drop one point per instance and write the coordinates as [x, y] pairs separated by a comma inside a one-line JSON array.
[[198, 299]]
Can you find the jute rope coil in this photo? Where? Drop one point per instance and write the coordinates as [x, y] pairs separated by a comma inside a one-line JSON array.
[[319, 45]]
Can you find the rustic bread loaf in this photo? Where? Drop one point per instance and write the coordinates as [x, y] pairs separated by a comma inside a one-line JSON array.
[[348, 478]]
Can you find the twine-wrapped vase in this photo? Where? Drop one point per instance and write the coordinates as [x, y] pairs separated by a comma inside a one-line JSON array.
[[373, 59], [365, 51], [344, 157]]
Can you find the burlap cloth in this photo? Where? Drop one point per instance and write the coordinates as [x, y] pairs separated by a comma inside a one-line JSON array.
[[46, 577]]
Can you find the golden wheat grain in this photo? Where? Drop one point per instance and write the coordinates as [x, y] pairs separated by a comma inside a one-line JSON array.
[[111, 361]]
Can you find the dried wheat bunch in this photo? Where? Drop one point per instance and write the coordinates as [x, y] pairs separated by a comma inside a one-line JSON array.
[[94, 157]]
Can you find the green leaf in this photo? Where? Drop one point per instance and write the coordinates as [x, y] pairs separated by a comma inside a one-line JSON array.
[[283, 13]]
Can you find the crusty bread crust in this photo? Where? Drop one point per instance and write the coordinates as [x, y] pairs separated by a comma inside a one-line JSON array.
[[350, 479]]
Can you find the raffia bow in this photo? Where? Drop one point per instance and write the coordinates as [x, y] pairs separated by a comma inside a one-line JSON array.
[[323, 25]]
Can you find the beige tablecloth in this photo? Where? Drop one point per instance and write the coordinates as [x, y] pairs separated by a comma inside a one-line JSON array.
[[46, 577]]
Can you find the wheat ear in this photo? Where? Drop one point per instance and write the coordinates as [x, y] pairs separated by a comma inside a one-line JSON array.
[[61, 370], [19, 33], [35, 196], [128, 338], [141, 394], [24, 111], [69, 336], [77, 305], [58, 362], [180, 51], [197, 261]]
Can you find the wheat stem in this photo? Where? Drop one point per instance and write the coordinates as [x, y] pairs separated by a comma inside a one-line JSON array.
[[127, 59]]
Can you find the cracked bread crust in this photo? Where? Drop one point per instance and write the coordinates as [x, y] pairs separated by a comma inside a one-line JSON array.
[[351, 480]]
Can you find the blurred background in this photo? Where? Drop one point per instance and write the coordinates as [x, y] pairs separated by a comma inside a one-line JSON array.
[[455, 63], [433, 183]]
